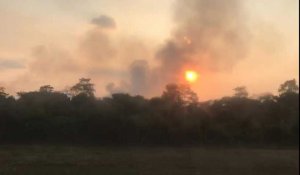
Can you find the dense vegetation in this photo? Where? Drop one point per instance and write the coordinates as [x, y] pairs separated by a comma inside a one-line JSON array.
[[47, 116]]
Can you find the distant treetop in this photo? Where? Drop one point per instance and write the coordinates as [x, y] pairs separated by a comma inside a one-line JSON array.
[[290, 86]]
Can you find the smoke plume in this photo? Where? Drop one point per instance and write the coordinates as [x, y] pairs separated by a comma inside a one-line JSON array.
[[210, 34], [139, 71], [104, 21]]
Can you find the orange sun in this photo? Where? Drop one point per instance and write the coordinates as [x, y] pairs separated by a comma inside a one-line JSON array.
[[191, 76]]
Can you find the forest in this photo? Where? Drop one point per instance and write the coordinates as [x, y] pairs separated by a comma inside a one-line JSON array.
[[176, 117]]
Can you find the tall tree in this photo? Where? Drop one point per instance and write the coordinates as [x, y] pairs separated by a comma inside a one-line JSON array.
[[240, 92], [180, 94], [84, 86], [290, 86]]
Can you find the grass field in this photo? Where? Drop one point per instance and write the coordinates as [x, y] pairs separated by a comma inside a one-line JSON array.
[[71, 160]]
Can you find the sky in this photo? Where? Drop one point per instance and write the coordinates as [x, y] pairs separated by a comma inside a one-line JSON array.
[[140, 46]]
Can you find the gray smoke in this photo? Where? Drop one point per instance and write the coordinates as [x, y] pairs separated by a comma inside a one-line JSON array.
[[210, 34], [139, 72], [112, 88], [97, 46], [8, 63], [104, 21], [138, 83]]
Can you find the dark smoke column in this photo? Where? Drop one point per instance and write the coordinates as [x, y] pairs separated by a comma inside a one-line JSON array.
[[210, 34]]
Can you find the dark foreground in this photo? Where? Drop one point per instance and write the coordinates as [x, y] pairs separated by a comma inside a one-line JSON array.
[[70, 160]]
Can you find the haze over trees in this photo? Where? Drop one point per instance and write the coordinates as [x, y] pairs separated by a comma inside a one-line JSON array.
[[176, 117]]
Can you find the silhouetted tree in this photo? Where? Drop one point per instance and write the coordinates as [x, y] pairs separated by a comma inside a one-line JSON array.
[[188, 96], [240, 92], [180, 94], [2, 92], [83, 87], [266, 98], [46, 88], [289, 86], [172, 93], [176, 117]]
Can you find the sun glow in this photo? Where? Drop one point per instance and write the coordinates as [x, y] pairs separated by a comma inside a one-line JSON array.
[[191, 76]]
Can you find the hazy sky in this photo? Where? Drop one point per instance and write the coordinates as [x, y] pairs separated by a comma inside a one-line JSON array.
[[133, 46]]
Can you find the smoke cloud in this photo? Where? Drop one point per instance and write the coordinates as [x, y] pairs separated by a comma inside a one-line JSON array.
[[139, 72], [10, 64], [56, 59], [209, 35], [138, 83], [97, 46], [104, 22]]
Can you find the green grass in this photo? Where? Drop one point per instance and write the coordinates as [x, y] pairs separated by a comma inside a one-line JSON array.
[[71, 160]]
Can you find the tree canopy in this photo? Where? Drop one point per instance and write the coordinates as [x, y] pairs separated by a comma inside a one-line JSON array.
[[2, 92], [175, 117], [83, 87], [289, 86]]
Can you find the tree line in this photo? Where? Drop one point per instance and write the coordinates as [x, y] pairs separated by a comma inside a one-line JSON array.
[[175, 117]]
